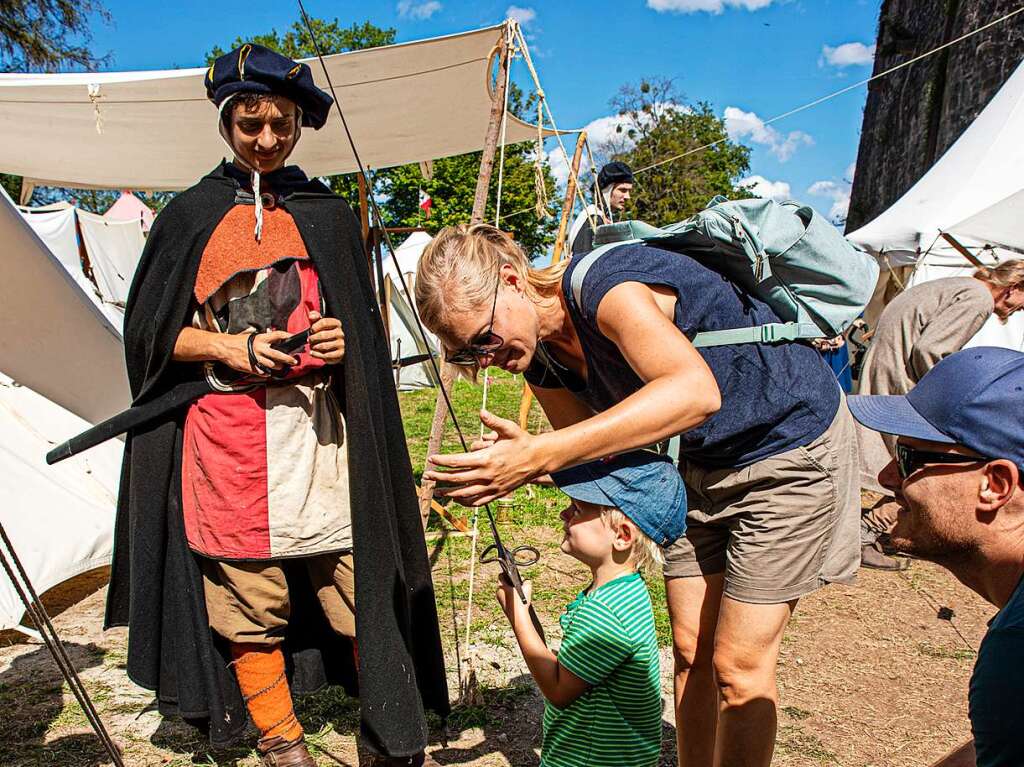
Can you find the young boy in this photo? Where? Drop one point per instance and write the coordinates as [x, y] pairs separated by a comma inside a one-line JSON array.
[[603, 689]]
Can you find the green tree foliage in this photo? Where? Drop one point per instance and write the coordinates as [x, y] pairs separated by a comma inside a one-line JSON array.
[[11, 185], [657, 123], [453, 183], [332, 37], [45, 35]]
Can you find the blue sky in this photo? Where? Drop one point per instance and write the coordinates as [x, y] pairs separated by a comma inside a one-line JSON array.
[[752, 59]]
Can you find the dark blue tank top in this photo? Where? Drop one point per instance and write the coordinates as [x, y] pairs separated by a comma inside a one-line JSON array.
[[774, 397]]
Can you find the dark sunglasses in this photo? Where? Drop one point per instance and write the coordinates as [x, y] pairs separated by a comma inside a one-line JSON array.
[[909, 460], [481, 344]]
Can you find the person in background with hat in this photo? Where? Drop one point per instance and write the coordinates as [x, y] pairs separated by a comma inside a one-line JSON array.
[[603, 688], [615, 183], [274, 521], [921, 326], [958, 479]]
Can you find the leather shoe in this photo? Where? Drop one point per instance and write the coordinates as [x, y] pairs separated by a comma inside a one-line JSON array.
[[872, 557], [278, 752]]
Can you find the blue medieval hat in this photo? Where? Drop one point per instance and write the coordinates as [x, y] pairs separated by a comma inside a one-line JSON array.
[[255, 69]]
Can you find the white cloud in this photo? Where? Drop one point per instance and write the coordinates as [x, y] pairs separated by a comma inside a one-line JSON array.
[[409, 9], [847, 55], [523, 15], [708, 6], [762, 187], [742, 125], [838, 192]]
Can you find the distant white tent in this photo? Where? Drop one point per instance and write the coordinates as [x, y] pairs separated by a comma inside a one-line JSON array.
[[974, 194], [406, 341], [114, 248]]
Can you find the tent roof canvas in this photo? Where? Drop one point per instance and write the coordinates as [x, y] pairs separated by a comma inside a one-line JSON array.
[[68, 350], [974, 191], [404, 103]]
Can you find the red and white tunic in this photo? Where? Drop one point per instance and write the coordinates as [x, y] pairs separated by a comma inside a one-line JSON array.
[[265, 471]]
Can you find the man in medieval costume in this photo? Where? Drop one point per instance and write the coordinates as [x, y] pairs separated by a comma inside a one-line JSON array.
[[614, 185], [265, 527]]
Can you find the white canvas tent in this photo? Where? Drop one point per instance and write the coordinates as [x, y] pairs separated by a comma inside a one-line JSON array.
[[59, 341], [59, 518], [156, 130], [406, 340], [973, 193]]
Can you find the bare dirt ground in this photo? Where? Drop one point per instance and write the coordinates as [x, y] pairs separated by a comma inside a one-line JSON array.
[[869, 676]]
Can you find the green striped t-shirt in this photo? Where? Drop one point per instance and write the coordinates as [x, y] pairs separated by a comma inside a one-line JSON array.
[[609, 642]]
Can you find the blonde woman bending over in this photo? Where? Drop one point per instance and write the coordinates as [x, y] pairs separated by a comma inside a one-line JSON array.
[[768, 451]]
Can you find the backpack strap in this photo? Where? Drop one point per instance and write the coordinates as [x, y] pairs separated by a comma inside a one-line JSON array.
[[772, 332], [583, 265]]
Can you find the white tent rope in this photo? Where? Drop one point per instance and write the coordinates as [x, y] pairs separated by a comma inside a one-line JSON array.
[[839, 92], [551, 118], [510, 40], [504, 127]]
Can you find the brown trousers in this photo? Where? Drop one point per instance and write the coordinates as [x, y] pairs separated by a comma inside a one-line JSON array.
[[248, 602]]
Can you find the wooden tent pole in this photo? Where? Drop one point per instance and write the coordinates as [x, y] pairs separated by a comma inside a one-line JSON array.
[[483, 185], [959, 248], [561, 248]]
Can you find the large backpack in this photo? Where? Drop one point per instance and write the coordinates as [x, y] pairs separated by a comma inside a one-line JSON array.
[[784, 253]]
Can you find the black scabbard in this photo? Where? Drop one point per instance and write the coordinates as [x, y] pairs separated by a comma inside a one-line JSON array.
[[132, 418]]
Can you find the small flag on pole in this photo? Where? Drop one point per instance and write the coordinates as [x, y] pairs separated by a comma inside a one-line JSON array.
[[425, 202]]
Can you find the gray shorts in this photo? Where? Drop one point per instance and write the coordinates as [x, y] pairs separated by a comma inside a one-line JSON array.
[[780, 528]]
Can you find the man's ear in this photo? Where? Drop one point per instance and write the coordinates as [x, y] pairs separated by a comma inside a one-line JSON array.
[[1000, 479]]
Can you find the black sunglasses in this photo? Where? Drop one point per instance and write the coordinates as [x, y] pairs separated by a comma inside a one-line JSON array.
[[909, 460], [481, 344]]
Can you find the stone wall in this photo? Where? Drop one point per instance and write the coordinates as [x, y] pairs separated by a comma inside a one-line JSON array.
[[912, 116]]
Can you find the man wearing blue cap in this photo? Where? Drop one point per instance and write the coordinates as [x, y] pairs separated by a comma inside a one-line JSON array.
[[603, 689], [272, 524], [958, 477]]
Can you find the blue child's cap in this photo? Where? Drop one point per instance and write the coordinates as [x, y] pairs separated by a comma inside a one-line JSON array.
[[644, 486], [973, 398]]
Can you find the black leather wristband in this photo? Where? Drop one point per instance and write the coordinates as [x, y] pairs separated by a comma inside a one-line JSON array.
[[253, 362]]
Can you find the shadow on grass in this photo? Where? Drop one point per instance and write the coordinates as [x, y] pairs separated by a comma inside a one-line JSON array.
[[32, 702]]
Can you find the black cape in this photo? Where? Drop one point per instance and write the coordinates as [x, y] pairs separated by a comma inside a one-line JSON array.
[[156, 587]]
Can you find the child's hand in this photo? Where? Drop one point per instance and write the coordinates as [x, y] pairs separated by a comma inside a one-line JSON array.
[[509, 600]]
